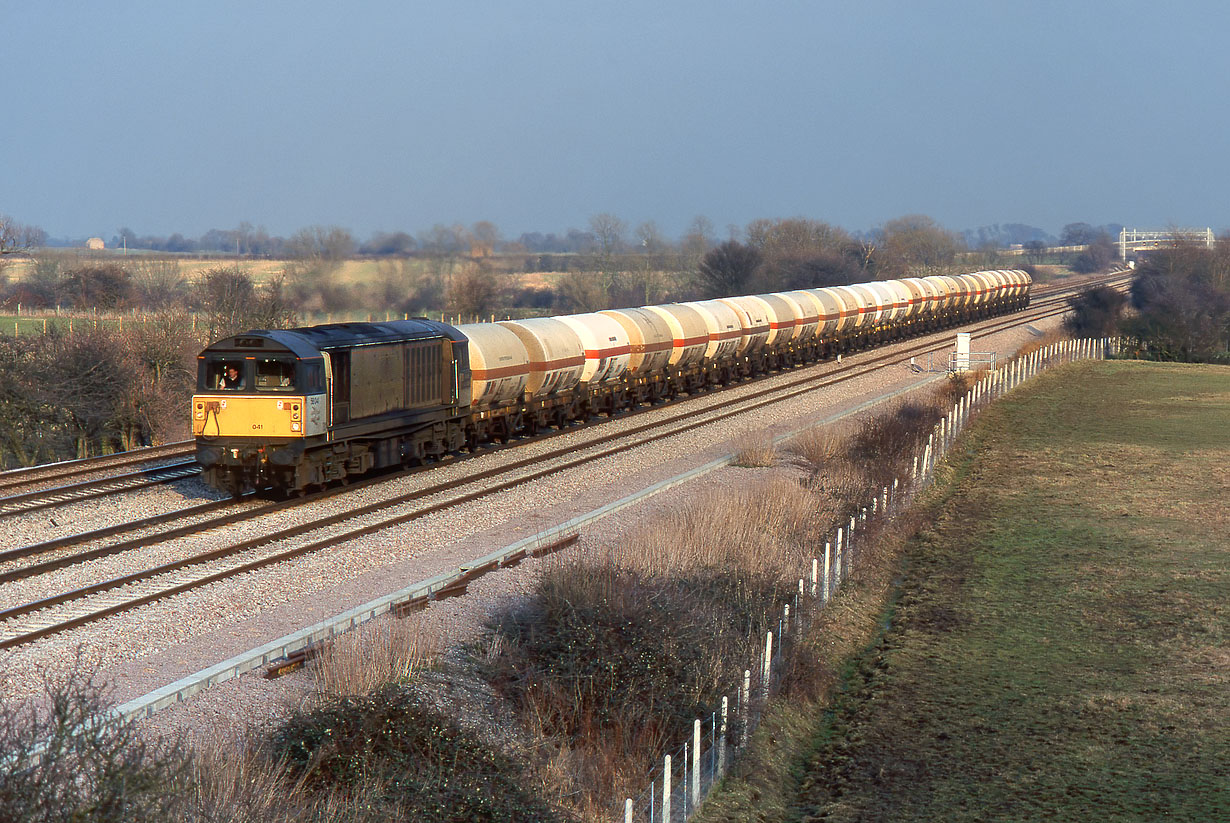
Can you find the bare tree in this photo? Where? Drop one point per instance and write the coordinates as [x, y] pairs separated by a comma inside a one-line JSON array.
[[158, 283], [473, 290], [645, 283], [803, 253], [1096, 312], [917, 243], [609, 231], [322, 242], [699, 237], [233, 303], [444, 240], [650, 238], [16, 238], [583, 291], [484, 237], [1182, 300], [1035, 250], [1077, 234], [1099, 255]]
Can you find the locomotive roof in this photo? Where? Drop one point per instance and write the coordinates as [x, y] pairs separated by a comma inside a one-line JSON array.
[[309, 341]]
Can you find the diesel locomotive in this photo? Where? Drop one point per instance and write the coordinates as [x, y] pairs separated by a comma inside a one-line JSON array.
[[295, 409]]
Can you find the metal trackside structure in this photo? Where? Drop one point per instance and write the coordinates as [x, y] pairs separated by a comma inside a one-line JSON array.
[[1138, 240], [299, 408]]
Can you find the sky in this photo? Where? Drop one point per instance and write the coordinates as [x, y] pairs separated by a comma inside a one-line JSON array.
[[395, 116]]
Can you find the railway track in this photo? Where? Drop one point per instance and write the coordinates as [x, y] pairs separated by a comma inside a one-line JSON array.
[[57, 472], [27, 622], [17, 501], [1042, 308], [91, 489]]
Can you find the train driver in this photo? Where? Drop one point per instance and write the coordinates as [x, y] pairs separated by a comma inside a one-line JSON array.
[[231, 377]]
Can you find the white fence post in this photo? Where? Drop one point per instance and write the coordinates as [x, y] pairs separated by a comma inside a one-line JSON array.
[[828, 554], [628, 810], [849, 555], [768, 664], [815, 572], [666, 788], [696, 764], [721, 741], [841, 548], [743, 704]]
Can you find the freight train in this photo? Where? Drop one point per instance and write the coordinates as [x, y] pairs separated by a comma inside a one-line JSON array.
[[296, 409]]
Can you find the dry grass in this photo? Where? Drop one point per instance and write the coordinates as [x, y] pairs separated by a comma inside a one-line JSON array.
[[756, 451], [247, 784], [379, 652], [619, 649], [766, 527]]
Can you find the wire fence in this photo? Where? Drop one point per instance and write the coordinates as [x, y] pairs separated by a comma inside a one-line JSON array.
[[686, 775]]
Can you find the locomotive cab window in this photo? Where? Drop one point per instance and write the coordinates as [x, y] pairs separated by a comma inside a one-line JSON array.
[[274, 374], [223, 375]]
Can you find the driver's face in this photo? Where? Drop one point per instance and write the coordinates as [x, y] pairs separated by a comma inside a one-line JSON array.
[[232, 373]]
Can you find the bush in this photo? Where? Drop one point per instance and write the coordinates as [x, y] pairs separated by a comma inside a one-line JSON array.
[[607, 652], [613, 656], [1099, 256], [1182, 299], [425, 765], [885, 444], [98, 287], [1096, 312], [93, 767]]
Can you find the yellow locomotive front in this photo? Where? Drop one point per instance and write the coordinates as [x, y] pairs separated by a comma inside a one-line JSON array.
[[259, 406]]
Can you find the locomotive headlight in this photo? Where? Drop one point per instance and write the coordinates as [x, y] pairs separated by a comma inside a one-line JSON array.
[[294, 427]]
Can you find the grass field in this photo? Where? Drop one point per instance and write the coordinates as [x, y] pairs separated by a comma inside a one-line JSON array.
[[1055, 644], [1058, 646]]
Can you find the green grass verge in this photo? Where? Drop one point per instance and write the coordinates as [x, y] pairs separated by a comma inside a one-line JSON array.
[[1057, 646]]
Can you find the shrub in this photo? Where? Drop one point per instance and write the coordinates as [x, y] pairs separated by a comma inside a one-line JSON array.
[[93, 767], [1095, 312], [427, 767], [1182, 296]]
